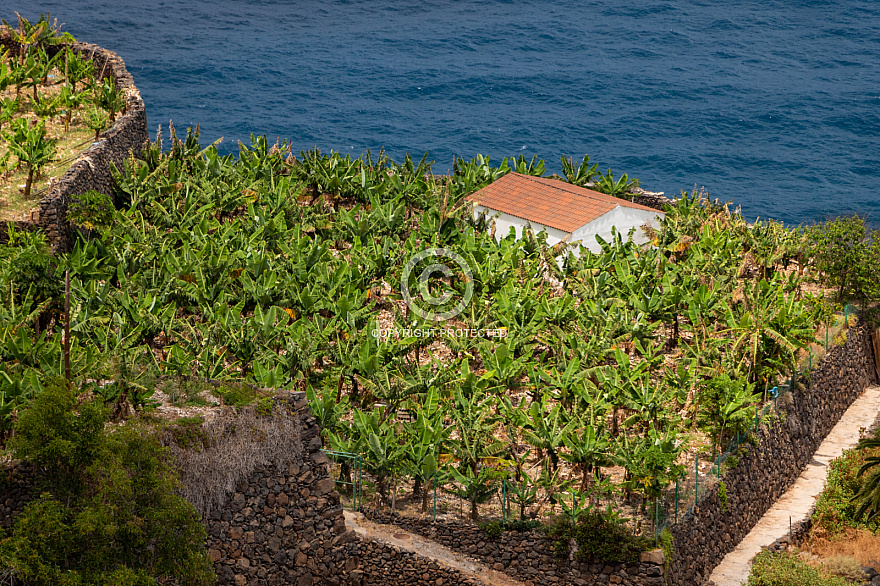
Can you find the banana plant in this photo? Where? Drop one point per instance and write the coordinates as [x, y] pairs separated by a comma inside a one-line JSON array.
[[76, 68], [32, 147], [650, 463], [96, 119], [546, 428], [534, 167], [575, 504], [8, 108], [614, 187], [523, 493], [475, 486], [583, 174], [588, 450], [426, 436], [109, 97], [384, 454], [728, 404]]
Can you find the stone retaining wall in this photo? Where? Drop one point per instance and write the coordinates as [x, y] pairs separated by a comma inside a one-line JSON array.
[[528, 555], [287, 527], [770, 468], [16, 490], [91, 170]]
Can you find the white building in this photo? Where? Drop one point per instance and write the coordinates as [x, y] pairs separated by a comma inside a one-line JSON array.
[[560, 209]]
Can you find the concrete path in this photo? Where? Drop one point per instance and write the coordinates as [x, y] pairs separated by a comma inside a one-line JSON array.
[[797, 503], [428, 548]]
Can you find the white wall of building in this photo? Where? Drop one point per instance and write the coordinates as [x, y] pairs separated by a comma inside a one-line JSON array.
[[504, 222], [622, 218]]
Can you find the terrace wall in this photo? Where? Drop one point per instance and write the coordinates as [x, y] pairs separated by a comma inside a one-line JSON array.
[[770, 468], [528, 556], [91, 170]]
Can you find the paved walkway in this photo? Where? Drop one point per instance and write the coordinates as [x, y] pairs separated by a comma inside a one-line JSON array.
[[430, 549], [796, 504]]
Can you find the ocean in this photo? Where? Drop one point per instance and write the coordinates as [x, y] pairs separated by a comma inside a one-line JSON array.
[[773, 105]]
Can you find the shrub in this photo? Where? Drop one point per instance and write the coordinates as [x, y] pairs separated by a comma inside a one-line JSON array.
[[785, 569], [108, 513], [847, 254], [492, 529], [666, 544], [600, 535], [835, 507], [92, 211], [846, 567], [519, 525], [722, 496], [237, 395]]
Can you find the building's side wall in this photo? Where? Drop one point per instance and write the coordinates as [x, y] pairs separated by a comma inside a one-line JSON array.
[[623, 219], [504, 222]]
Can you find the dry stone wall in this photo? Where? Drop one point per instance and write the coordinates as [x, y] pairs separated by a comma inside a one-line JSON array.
[[17, 488], [91, 170], [528, 556], [288, 527], [769, 468]]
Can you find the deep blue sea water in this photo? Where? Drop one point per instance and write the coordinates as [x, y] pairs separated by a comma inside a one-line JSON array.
[[774, 104]]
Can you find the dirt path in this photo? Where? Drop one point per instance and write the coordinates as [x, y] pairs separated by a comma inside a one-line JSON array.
[[427, 548], [797, 504]]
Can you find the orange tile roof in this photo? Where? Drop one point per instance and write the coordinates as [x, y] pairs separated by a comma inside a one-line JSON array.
[[549, 202]]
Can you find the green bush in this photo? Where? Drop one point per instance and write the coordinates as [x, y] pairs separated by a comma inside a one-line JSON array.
[[92, 211], [237, 395], [108, 513], [847, 255], [667, 544], [492, 529], [600, 535], [785, 569], [722, 496], [835, 507], [522, 525]]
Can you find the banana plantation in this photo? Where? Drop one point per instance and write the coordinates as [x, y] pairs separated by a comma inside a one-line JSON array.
[[272, 271]]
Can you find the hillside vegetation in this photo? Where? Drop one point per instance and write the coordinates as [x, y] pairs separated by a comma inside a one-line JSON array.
[[285, 272]]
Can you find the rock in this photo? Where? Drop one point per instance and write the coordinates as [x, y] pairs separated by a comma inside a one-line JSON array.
[[323, 487], [652, 557], [240, 580]]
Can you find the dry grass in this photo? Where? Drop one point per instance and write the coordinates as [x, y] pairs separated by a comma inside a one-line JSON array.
[[859, 544], [13, 205], [229, 448]]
